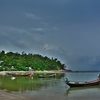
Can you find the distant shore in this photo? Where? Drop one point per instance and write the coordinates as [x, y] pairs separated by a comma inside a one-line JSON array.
[[52, 71]]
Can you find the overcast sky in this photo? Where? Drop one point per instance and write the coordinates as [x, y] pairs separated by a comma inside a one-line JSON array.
[[68, 30]]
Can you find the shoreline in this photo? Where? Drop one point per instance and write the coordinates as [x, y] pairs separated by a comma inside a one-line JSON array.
[[52, 71]]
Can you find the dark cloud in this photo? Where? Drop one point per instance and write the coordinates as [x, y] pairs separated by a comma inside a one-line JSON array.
[[65, 29]]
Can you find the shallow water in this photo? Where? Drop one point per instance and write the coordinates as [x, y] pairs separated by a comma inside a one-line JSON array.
[[50, 88]]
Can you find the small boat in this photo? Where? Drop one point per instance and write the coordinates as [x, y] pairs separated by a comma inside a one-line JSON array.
[[14, 74], [80, 84], [46, 76]]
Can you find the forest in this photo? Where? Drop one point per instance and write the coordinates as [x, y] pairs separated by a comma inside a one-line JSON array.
[[10, 61]]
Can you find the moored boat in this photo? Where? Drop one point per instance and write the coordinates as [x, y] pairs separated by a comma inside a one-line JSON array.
[[46, 76], [80, 84], [14, 74]]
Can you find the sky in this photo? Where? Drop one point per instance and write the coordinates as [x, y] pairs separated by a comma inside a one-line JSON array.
[[68, 30]]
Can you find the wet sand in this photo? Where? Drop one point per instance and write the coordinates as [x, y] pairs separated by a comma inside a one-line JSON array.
[[61, 92], [47, 96], [40, 95], [11, 96]]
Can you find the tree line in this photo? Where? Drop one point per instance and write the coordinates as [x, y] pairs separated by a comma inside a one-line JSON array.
[[21, 61]]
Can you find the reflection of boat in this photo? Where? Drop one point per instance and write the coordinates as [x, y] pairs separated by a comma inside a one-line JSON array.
[[46, 76], [79, 84], [14, 74], [81, 90]]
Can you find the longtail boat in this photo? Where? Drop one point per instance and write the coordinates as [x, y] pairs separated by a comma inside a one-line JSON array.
[[46, 76], [14, 74], [80, 84]]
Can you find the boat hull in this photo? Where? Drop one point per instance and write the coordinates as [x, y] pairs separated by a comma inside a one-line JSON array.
[[82, 84], [46, 76], [21, 75]]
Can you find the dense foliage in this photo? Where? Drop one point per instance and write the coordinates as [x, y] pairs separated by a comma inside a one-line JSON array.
[[16, 61]]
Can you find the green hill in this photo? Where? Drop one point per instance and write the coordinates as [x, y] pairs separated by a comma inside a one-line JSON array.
[[16, 61]]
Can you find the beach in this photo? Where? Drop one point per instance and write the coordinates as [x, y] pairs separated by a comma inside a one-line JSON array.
[[52, 71], [10, 96], [46, 89], [41, 95]]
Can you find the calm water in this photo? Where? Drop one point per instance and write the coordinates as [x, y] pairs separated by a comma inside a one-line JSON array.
[[51, 88]]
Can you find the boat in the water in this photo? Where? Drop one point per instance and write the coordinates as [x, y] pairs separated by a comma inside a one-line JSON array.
[[46, 76], [80, 84], [14, 74]]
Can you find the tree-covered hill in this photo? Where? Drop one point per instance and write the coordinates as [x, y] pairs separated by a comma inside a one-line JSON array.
[[16, 61]]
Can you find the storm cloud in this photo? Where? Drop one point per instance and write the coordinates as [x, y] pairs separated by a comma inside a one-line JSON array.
[[64, 29]]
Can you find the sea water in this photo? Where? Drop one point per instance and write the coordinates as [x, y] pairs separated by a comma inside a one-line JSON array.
[[51, 88]]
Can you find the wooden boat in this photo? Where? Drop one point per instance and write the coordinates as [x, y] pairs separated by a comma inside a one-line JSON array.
[[14, 74], [46, 76], [80, 84]]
